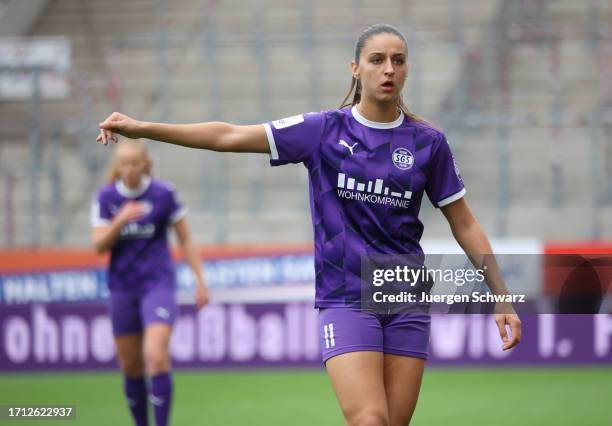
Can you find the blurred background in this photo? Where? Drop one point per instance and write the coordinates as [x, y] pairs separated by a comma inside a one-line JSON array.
[[521, 88]]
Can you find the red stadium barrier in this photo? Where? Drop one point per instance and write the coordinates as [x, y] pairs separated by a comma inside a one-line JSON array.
[[36, 260], [577, 268]]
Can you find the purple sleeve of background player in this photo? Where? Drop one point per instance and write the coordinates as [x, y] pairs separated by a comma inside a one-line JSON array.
[[444, 183], [294, 139], [100, 212]]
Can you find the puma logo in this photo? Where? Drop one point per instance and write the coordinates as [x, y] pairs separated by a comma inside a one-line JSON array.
[[350, 147], [156, 400], [162, 313]]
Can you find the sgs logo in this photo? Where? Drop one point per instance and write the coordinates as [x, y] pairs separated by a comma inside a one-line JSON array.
[[403, 159]]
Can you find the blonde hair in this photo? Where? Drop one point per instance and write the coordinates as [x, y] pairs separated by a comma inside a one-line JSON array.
[[135, 144]]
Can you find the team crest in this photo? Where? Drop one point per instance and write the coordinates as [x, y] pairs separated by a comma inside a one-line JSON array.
[[403, 159], [147, 207]]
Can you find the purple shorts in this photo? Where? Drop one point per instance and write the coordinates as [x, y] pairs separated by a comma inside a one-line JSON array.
[[131, 312], [345, 330]]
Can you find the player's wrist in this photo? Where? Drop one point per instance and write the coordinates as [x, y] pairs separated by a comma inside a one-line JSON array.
[[143, 129], [504, 308], [120, 220]]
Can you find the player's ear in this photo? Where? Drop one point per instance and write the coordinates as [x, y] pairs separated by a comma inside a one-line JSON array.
[[354, 69]]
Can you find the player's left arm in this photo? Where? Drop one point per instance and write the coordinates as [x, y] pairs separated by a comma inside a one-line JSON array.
[[472, 239], [192, 258]]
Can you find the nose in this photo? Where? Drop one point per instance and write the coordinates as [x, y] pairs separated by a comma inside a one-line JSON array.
[[389, 70]]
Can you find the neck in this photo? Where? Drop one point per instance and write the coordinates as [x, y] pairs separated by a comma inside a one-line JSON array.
[[129, 192], [137, 185], [382, 112]]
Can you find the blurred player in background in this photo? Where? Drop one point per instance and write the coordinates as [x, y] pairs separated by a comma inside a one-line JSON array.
[[375, 361], [130, 218]]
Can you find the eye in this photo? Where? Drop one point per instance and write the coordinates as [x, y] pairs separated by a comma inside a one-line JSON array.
[[399, 61]]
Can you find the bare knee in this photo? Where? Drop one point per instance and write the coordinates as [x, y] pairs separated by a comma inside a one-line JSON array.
[[157, 361], [368, 417], [132, 366]]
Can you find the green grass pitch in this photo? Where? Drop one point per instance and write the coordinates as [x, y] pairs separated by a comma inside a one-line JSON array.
[[514, 397]]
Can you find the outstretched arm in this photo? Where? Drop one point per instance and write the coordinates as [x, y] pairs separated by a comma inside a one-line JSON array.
[[472, 239], [214, 136]]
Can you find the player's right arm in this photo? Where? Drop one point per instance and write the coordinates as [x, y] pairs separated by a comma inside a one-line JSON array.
[[214, 136], [105, 236]]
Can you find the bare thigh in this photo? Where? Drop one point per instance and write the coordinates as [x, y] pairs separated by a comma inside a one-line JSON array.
[[403, 377], [157, 348], [357, 379], [129, 354]]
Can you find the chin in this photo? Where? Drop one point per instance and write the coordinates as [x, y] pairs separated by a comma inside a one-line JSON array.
[[388, 97], [131, 183]]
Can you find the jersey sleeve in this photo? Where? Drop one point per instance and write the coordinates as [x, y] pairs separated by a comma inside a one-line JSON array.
[[444, 183], [100, 214], [177, 209], [294, 139]]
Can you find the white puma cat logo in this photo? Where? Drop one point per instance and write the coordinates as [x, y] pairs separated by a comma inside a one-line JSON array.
[[156, 400], [350, 147]]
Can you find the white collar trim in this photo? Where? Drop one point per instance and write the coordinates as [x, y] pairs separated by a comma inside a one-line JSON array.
[[375, 124], [122, 189]]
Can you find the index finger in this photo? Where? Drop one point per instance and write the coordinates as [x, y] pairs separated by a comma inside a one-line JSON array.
[[515, 330], [102, 136]]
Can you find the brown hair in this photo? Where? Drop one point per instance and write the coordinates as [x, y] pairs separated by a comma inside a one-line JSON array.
[[365, 35], [137, 144]]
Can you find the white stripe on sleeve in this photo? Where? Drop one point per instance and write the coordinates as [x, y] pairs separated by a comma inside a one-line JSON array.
[[271, 142], [452, 198]]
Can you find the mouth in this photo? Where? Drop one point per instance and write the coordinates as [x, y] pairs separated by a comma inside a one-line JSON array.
[[388, 86]]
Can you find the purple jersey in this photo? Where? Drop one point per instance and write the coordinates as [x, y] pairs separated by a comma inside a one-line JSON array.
[[367, 181], [140, 258]]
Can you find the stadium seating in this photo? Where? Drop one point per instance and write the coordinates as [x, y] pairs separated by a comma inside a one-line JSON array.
[[261, 60]]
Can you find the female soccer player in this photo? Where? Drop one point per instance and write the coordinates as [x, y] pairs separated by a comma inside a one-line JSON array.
[[369, 165], [130, 218]]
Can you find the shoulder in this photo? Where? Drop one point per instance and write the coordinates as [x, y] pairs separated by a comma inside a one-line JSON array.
[[307, 117], [424, 129], [426, 134], [163, 191], [105, 192], [330, 118], [161, 186], [337, 114]]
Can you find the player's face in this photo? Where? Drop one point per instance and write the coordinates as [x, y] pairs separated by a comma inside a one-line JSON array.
[[382, 67], [132, 165]]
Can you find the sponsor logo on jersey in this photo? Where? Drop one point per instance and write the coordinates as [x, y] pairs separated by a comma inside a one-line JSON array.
[[348, 146], [403, 159], [288, 121], [375, 192], [137, 230]]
